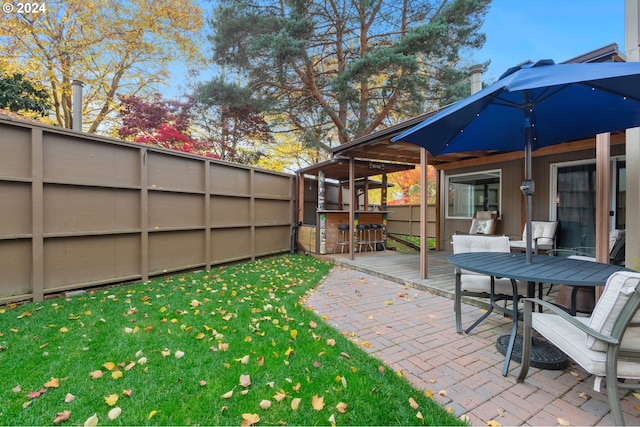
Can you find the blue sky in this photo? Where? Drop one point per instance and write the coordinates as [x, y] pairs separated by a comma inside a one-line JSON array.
[[519, 30]]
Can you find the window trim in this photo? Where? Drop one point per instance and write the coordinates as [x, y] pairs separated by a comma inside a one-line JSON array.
[[479, 172]]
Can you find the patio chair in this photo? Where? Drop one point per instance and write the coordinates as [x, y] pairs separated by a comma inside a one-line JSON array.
[[484, 222], [606, 344], [543, 237], [473, 284], [616, 249], [616, 256]]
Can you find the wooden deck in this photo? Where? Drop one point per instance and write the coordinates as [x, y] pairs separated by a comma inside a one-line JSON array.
[[405, 269]]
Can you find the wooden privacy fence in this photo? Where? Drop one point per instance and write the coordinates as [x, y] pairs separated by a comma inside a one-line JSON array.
[[79, 210], [405, 219]]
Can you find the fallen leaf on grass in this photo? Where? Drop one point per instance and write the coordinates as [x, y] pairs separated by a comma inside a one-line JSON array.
[[116, 375], [413, 403], [52, 383], [16, 389], [332, 420], [280, 396], [109, 366], [114, 413], [227, 395], [69, 398], [265, 404], [130, 366], [295, 403], [96, 374], [127, 392], [249, 419], [61, 417], [331, 342], [92, 421], [245, 380], [341, 407], [179, 354], [152, 414], [244, 360], [317, 402], [420, 417], [35, 394], [111, 399]]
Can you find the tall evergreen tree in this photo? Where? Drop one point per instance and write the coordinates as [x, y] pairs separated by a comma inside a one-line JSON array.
[[338, 69], [19, 94]]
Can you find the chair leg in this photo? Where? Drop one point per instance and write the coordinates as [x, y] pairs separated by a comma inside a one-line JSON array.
[[514, 329], [491, 305], [526, 341], [612, 385], [457, 304]]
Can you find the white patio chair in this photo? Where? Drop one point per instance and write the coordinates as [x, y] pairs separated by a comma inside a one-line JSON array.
[[543, 237], [484, 222], [606, 344], [473, 284]]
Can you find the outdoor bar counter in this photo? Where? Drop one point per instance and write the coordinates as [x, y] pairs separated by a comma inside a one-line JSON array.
[[323, 237]]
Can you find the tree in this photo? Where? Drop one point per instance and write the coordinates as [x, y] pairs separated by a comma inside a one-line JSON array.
[[114, 47], [336, 70], [232, 122], [19, 94], [163, 123], [406, 186]]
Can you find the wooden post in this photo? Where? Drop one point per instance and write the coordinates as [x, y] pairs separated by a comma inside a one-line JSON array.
[[424, 217], [603, 199], [352, 195]]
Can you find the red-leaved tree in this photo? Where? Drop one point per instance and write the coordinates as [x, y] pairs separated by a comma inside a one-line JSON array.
[[162, 123]]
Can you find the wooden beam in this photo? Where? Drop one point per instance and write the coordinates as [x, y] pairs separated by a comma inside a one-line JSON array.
[[424, 246], [567, 147]]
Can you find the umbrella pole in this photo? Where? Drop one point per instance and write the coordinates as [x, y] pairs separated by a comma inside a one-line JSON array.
[[528, 186]]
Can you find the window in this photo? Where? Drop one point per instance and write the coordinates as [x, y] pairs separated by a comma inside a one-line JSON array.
[[471, 192]]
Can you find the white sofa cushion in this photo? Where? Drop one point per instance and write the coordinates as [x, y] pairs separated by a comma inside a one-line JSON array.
[[614, 297], [570, 340], [543, 231], [481, 226]]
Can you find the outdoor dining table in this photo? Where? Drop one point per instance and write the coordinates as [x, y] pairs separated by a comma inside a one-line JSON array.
[[544, 269]]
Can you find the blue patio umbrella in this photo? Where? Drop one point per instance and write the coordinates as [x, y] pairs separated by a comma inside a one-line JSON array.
[[535, 105]]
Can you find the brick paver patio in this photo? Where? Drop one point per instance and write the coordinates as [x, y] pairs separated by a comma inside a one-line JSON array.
[[413, 331]]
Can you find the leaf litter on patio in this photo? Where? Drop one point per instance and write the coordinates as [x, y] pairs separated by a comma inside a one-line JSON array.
[[228, 346]]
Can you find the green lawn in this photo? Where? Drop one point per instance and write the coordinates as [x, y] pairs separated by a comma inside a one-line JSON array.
[[222, 347]]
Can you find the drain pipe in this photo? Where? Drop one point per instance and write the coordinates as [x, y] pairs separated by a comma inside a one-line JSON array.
[[77, 105]]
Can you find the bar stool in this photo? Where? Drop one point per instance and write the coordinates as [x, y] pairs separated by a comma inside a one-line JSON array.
[[378, 236], [364, 236], [343, 238]]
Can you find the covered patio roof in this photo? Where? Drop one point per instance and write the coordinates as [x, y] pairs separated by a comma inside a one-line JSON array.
[[338, 168]]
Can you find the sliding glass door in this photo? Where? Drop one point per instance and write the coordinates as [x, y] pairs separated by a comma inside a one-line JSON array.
[[575, 201]]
